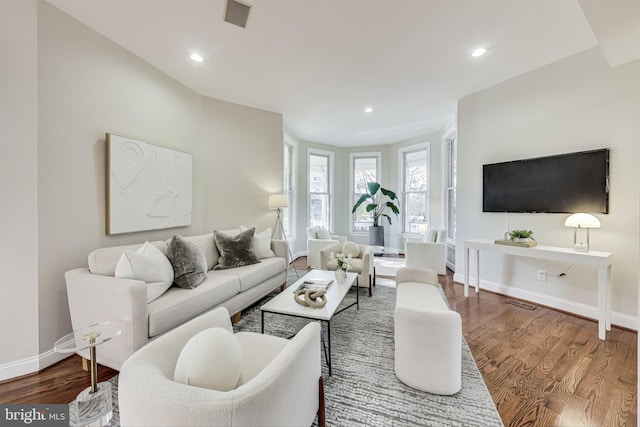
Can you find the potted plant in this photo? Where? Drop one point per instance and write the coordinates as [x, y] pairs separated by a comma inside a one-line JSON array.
[[521, 235], [378, 200]]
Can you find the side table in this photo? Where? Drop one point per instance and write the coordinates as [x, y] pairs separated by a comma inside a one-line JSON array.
[[93, 406]]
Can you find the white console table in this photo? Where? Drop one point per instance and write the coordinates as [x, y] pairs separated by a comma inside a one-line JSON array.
[[600, 260]]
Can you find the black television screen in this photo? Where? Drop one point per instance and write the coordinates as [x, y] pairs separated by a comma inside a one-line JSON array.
[[565, 183]]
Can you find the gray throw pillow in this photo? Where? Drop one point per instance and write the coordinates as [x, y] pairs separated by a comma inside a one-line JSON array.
[[235, 251], [189, 262]]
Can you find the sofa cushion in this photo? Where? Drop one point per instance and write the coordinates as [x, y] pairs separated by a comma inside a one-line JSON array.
[[252, 275], [103, 261], [261, 243], [351, 248], [178, 305], [189, 262], [210, 359], [148, 264], [235, 251], [205, 241], [323, 233]]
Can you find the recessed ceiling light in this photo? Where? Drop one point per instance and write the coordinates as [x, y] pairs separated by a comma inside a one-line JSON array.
[[478, 52], [368, 110], [196, 57]]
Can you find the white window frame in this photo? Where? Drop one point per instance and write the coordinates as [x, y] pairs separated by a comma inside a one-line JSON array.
[[401, 175], [450, 182], [289, 188], [352, 161], [330, 177]]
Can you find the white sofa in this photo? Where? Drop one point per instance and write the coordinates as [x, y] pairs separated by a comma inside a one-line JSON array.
[[319, 238], [429, 252], [95, 295], [428, 334], [279, 381]]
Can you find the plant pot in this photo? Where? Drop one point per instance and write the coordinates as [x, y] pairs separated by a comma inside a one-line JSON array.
[[376, 235], [522, 239]]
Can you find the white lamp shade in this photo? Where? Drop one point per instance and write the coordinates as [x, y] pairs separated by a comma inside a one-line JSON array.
[[277, 201], [582, 220]]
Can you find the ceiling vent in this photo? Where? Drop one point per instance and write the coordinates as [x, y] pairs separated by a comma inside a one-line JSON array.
[[237, 13]]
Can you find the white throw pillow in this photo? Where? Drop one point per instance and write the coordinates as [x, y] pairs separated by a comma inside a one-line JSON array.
[[149, 264], [351, 248], [323, 233], [261, 243], [312, 232], [210, 359]]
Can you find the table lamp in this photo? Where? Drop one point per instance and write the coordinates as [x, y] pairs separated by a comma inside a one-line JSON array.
[[581, 220]]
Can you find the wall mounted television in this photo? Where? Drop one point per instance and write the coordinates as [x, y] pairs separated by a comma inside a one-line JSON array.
[[564, 183]]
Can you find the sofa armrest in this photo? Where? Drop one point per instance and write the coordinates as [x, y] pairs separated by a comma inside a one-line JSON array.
[[94, 298], [367, 258], [280, 248]]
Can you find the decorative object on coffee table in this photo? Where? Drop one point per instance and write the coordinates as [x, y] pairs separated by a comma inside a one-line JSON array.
[[379, 200], [343, 265]]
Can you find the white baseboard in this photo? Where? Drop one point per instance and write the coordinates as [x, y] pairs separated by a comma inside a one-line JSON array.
[[31, 364], [591, 312]]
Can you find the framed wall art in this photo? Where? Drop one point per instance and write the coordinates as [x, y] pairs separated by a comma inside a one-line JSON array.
[[148, 187]]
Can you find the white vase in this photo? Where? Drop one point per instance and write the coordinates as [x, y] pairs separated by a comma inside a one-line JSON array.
[[341, 276]]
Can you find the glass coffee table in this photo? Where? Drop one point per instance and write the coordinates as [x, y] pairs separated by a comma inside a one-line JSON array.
[[285, 304], [93, 406]]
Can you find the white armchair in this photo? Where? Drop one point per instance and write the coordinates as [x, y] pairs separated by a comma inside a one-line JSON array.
[[280, 381], [361, 264], [319, 238], [429, 252]]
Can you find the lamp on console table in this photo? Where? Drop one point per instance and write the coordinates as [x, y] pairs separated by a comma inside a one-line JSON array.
[[278, 202], [581, 220]]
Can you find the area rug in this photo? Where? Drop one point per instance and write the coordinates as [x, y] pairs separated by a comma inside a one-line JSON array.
[[363, 388], [387, 266]]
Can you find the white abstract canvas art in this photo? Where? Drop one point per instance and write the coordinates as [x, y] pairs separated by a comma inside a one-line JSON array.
[[148, 187]]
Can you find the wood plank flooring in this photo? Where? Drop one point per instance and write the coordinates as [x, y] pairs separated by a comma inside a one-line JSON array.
[[542, 367]]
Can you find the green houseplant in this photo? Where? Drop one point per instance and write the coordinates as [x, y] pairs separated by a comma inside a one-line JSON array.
[[379, 200], [519, 235]]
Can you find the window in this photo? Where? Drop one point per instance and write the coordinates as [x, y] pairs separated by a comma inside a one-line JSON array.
[[288, 181], [451, 186], [414, 162], [320, 188], [364, 168]]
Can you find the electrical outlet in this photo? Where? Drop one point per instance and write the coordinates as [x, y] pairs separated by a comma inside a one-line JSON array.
[[542, 275]]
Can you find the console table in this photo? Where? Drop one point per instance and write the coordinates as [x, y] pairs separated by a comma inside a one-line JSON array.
[[600, 260]]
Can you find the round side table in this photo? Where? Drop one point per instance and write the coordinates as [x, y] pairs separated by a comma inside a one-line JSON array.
[[93, 406]]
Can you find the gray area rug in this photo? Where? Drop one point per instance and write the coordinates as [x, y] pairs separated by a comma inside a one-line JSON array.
[[363, 388]]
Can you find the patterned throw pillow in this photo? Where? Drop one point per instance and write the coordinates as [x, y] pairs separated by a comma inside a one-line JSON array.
[[189, 262], [235, 251]]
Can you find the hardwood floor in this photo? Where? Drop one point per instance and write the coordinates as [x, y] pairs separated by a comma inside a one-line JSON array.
[[541, 366]]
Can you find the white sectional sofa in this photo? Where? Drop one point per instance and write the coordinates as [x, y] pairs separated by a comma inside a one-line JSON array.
[[96, 295]]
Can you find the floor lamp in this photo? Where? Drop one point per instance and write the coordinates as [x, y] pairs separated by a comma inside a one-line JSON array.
[[277, 202]]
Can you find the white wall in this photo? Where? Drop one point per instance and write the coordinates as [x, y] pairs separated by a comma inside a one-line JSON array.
[[73, 89], [578, 103], [18, 185]]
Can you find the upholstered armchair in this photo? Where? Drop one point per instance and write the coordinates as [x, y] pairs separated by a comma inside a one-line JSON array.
[[429, 252], [280, 381], [361, 264], [319, 238]]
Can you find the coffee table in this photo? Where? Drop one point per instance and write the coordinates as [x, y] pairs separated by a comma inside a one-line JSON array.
[[284, 303]]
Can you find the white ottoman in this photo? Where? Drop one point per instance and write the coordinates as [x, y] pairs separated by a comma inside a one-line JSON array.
[[428, 335]]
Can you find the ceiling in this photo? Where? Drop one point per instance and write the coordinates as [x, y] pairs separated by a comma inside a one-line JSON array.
[[321, 62]]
